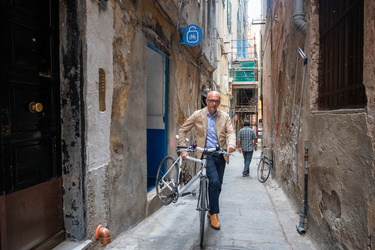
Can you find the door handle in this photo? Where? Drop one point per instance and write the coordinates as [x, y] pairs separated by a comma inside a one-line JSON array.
[[35, 107]]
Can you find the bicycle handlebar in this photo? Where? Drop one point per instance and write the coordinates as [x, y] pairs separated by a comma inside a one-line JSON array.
[[195, 148]]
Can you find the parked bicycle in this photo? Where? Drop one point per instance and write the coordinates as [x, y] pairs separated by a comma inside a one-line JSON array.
[[265, 165], [172, 182]]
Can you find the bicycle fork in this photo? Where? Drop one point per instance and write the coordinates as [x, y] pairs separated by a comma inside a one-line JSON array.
[[206, 203]]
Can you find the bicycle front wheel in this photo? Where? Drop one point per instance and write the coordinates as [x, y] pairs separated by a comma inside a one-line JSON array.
[[167, 180], [203, 207], [263, 171]]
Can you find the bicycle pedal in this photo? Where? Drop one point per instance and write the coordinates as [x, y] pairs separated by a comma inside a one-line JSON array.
[[193, 193]]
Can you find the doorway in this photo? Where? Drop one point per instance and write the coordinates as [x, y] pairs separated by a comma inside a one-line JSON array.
[[157, 114], [30, 176]]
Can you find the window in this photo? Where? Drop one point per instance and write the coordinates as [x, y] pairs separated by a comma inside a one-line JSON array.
[[229, 17], [341, 69]]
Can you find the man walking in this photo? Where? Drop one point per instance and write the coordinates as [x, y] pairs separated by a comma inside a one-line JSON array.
[[246, 143], [212, 127]]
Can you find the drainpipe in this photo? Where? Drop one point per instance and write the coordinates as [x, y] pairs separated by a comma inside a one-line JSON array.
[[299, 17], [301, 227], [303, 215], [300, 24], [103, 234]]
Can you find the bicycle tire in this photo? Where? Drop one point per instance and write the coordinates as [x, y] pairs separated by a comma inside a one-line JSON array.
[[203, 208], [167, 175], [263, 171]]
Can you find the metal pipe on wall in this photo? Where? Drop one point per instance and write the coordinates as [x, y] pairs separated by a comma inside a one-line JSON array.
[[299, 16], [300, 24], [301, 227]]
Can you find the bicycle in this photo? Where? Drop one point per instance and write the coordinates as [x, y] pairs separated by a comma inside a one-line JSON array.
[[171, 181], [265, 165]]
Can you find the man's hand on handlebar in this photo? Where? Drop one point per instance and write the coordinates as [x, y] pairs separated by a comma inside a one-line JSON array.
[[184, 154], [230, 149]]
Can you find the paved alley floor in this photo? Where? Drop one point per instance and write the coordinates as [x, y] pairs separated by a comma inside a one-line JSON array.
[[253, 216]]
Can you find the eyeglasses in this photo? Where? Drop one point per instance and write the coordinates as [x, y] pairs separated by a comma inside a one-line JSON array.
[[215, 101]]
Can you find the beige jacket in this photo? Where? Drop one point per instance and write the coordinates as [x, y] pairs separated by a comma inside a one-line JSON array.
[[198, 120]]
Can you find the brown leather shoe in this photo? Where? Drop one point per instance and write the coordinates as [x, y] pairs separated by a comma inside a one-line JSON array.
[[215, 224]]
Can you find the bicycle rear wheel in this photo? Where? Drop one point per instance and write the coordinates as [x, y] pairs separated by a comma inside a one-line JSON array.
[[167, 180], [203, 207], [263, 171]]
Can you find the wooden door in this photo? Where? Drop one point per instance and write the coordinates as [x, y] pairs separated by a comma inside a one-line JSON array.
[[30, 177]]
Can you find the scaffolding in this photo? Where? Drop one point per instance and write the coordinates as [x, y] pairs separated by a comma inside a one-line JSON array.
[[244, 84]]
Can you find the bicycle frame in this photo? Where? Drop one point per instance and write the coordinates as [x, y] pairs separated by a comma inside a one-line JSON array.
[[201, 172], [181, 191], [267, 160]]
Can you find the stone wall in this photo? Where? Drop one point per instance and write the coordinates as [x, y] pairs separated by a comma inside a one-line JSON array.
[[104, 151], [117, 195], [340, 143]]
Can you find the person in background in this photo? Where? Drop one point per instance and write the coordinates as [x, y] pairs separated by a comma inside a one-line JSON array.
[[212, 127], [246, 144]]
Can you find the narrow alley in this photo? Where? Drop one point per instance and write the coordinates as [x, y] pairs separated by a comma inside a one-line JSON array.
[[93, 93], [253, 216]]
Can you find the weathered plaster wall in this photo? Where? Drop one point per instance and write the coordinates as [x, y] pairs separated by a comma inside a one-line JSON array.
[[72, 126], [223, 39], [104, 152], [99, 34], [98, 38], [369, 81], [344, 153], [127, 172], [341, 144], [340, 179], [86, 30], [135, 24]]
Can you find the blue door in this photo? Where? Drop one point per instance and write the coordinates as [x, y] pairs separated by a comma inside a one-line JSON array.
[[157, 118]]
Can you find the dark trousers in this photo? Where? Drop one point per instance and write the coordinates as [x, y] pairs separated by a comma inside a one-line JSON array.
[[247, 156], [215, 173]]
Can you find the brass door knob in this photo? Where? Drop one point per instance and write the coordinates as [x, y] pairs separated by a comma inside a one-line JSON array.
[[35, 107]]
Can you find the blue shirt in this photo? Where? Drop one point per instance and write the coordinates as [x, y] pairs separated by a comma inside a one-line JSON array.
[[247, 135], [211, 139]]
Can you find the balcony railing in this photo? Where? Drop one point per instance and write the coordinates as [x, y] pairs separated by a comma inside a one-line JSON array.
[[247, 108]]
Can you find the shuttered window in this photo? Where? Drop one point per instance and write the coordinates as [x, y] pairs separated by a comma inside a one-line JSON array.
[[341, 65], [229, 16]]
